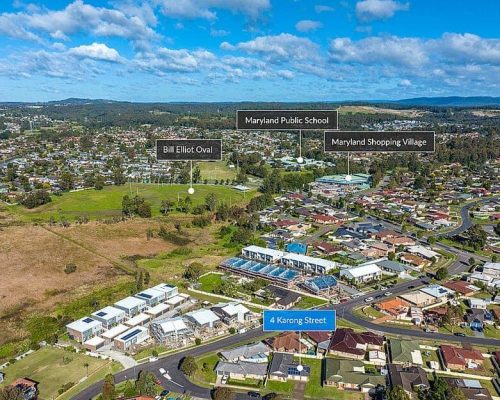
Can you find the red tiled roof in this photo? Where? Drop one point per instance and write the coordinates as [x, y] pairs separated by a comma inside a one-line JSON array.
[[318, 337], [459, 356], [345, 340], [461, 287]]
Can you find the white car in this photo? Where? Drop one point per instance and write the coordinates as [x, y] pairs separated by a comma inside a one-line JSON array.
[[153, 359], [368, 299], [162, 371], [224, 379], [387, 294]]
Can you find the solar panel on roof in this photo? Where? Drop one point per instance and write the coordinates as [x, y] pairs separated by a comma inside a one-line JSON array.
[[131, 334], [146, 296], [88, 320], [101, 314]]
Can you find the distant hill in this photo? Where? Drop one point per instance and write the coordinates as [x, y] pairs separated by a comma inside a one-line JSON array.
[[78, 101], [452, 101]]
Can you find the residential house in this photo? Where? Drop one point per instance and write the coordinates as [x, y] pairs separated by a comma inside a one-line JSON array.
[[347, 343], [28, 387], [131, 305], [109, 316], [471, 388], [418, 298], [320, 339], [396, 307], [83, 329], [151, 296], [202, 319], [462, 287], [232, 313], [131, 338], [458, 358], [287, 342], [254, 352], [283, 298], [362, 274], [283, 367], [415, 261], [262, 254], [308, 264], [349, 375], [242, 370], [170, 330], [405, 352], [411, 379]]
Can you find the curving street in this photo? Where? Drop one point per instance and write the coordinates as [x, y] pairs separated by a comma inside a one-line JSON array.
[[179, 382]]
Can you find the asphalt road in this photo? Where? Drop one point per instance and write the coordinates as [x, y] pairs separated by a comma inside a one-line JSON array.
[[344, 310], [466, 220], [178, 383]]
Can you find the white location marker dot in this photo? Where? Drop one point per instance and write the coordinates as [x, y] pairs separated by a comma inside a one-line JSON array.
[[348, 178], [300, 368], [300, 160], [191, 190]]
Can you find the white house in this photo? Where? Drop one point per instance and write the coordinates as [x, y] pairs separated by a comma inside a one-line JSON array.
[[262, 254], [170, 329], [202, 318], [151, 296], [232, 312], [492, 269], [131, 337], [423, 252], [84, 329], [109, 316], [364, 273], [479, 304], [131, 305], [306, 263], [170, 290]]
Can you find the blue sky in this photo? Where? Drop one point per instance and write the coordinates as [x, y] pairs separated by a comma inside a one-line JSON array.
[[239, 50]]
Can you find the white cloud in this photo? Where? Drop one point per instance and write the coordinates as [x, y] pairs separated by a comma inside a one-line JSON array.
[[218, 32], [206, 8], [74, 18], [307, 25], [467, 48], [282, 47], [369, 10], [322, 8], [404, 83], [96, 51], [407, 52]]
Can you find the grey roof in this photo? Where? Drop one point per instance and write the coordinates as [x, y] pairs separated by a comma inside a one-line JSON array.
[[283, 365], [241, 367], [392, 265], [253, 350]]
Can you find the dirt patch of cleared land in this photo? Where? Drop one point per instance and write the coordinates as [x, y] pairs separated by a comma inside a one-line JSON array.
[[410, 113]]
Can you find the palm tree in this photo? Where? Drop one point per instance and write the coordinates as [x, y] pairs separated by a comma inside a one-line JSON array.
[[86, 365]]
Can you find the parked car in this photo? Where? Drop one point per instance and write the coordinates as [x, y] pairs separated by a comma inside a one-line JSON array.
[[461, 334], [224, 379], [254, 394]]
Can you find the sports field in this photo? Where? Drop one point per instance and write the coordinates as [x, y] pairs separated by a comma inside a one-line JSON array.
[[216, 170], [107, 202]]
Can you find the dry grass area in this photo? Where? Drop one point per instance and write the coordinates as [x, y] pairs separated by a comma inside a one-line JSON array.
[[486, 113], [33, 258], [410, 113]]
